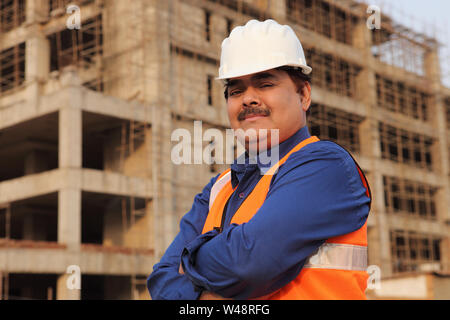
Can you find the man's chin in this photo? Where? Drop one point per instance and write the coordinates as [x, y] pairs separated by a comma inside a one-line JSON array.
[[258, 127], [262, 141]]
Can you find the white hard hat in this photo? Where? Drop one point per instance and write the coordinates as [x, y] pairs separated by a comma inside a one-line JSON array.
[[260, 46]]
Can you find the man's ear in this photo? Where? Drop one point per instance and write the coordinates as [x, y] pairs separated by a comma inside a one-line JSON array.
[[306, 96]]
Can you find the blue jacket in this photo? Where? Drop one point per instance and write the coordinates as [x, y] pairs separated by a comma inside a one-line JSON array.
[[317, 194]]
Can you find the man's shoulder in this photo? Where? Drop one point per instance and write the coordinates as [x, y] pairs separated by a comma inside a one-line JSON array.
[[204, 195], [320, 163], [317, 159], [213, 180], [322, 158], [320, 150]]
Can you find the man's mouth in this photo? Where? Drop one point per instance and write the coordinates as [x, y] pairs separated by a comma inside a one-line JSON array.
[[253, 114], [254, 117]]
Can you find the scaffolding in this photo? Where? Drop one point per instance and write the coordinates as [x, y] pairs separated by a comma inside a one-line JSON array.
[[12, 69], [406, 147], [413, 252], [12, 14], [335, 125], [395, 46], [333, 73], [403, 196], [57, 7], [408, 100], [327, 18], [162, 57], [136, 136], [80, 48]]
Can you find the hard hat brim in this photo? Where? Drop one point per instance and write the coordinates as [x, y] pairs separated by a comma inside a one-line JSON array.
[[305, 69]]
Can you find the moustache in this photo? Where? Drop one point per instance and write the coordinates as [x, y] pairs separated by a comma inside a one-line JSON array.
[[253, 111]]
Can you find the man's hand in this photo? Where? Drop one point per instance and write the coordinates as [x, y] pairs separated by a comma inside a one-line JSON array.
[[205, 294], [211, 296]]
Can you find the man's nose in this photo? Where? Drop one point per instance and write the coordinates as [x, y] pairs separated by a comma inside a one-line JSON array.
[[251, 98]]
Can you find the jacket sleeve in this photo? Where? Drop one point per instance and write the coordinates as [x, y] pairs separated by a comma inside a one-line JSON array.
[[165, 282], [317, 194]]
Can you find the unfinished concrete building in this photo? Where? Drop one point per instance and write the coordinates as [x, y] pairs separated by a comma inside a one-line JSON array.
[[86, 117]]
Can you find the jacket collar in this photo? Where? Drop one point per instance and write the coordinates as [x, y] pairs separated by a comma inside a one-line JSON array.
[[244, 164]]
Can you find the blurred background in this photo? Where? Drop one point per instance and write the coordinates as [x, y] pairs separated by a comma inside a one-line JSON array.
[[86, 117]]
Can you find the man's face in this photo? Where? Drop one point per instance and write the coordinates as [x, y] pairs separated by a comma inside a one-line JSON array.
[[267, 100]]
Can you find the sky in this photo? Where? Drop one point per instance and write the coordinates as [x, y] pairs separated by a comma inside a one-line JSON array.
[[429, 16], [434, 12]]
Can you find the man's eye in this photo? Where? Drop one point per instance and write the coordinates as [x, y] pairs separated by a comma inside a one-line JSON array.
[[235, 92], [265, 85]]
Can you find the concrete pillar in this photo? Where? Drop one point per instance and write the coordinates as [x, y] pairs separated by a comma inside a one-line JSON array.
[[384, 244], [438, 118], [366, 81], [165, 222], [63, 291], [37, 62], [37, 56], [69, 198], [69, 218], [70, 138], [36, 11], [432, 67], [164, 216], [366, 91], [125, 67], [378, 235], [438, 111]]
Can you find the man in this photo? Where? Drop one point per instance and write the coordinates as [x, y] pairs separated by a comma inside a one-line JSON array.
[[296, 232]]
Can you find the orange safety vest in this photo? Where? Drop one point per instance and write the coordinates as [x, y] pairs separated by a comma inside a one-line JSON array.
[[336, 271]]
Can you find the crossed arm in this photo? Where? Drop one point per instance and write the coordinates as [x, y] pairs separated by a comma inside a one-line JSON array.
[[165, 282], [314, 198], [205, 294]]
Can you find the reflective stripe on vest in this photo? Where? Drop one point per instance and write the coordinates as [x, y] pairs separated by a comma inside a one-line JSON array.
[[339, 256], [220, 183]]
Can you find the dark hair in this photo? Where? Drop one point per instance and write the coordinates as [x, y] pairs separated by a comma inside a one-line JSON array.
[[297, 76]]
